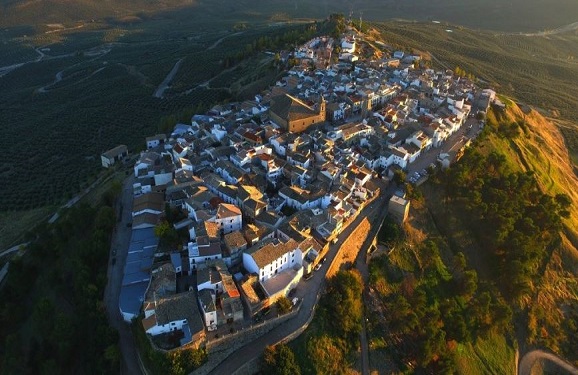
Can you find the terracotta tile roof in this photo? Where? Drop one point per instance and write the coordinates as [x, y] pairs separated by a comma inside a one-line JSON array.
[[268, 251], [235, 240], [290, 108], [227, 210]]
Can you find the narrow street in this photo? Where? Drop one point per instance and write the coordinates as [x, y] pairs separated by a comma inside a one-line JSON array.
[[361, 264], [527, 362], [119, 246], [451, 145]]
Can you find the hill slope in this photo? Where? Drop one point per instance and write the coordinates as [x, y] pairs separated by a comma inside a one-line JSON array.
[[546, 304], [542, 149]]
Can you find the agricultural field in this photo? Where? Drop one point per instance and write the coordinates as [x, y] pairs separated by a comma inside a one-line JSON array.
[[88, 91]]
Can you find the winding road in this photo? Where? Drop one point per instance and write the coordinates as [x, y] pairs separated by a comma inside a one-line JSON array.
[[528, 361], [560, 30], [214, 45]]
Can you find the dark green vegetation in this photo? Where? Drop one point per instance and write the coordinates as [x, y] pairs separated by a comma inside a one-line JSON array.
[[178, 362], [52, 319], [280, 360], [492, 206], [524, 231], [284, 305], [330, 344], [425, 308], [508, 213]]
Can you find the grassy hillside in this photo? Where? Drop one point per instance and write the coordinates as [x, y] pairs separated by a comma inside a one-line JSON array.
[[545, 312], [542, 150]]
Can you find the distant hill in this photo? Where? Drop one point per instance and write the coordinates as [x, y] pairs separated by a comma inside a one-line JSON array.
[[42, 12], [513, 16]]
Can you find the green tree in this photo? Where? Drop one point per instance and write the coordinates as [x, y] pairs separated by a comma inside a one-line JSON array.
[[284, 305], [468, 284], [399, 177], [327, 355], [112, 355], [345, 307], [280, 360]]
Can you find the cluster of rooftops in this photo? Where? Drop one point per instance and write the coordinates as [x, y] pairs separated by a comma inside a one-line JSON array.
[[266, 184]]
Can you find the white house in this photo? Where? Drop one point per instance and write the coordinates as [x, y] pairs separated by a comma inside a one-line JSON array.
[[144, 164], [218, 131], [156, 140], [229, 218], [229, 172], [348, 45], [302, 199], [152, 203], [209, 278], [419, 139], [400, 156], [144, 186], [208, 308], [271, 257], [173, 313], [113, 155], [203, 251]]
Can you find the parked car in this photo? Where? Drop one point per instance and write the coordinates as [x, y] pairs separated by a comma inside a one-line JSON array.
[[317, 267], [295, 301], [323, 260]]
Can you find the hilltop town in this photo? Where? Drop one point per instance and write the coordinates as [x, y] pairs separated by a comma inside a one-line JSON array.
[[236, 210]]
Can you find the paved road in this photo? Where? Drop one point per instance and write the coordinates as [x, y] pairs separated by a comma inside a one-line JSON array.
[[451, 145], [14, 249], [214, 45], [378, 214], [528, 361], [160, 91], [119, 246], [308, 290]]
